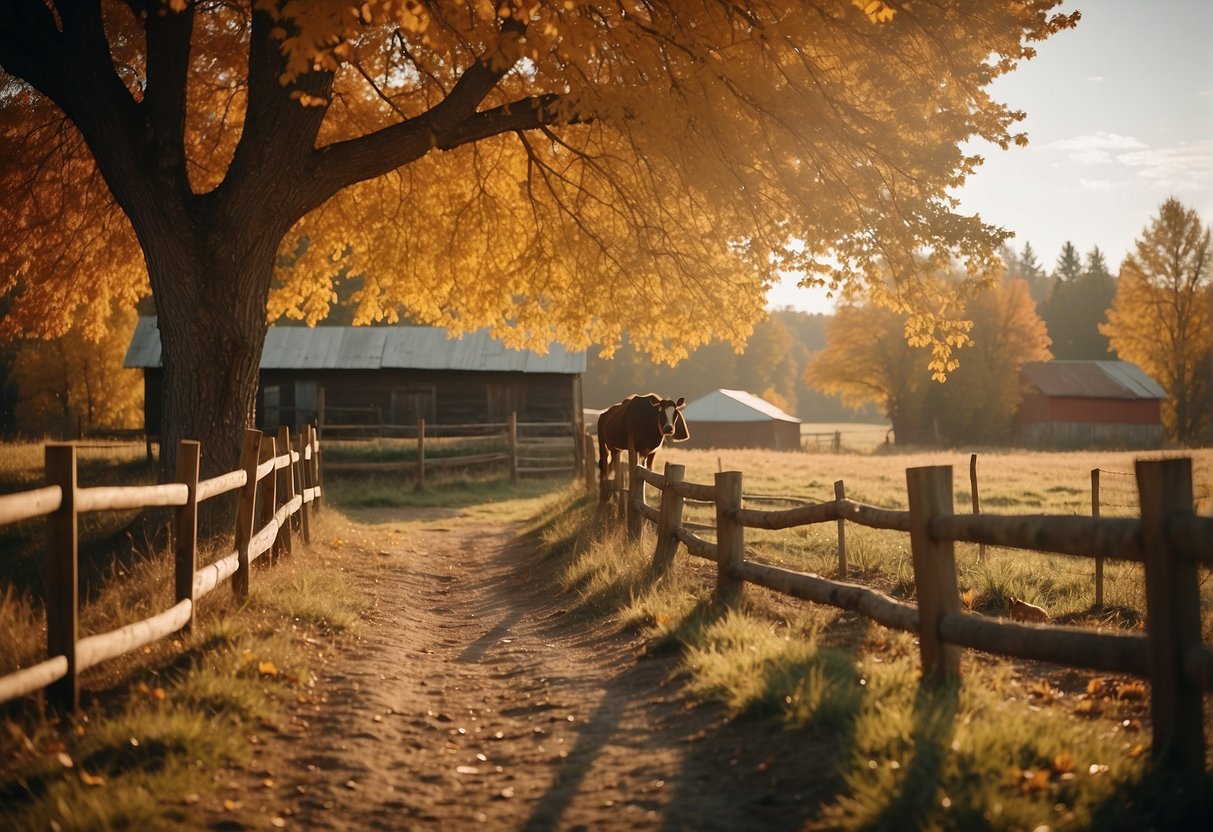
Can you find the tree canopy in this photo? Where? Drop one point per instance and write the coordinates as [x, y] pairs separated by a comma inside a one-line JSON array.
[[1162, 317], [562, 170], [868, 360]]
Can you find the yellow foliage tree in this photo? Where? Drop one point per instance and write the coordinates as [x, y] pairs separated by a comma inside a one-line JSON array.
[[555, 169], [868, 359], [1160, 317], [75, 384]]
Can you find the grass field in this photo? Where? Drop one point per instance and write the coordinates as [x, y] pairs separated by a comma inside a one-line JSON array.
[[1017, 746]]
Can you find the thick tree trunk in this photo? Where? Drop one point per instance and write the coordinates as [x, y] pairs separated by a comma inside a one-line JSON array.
[[210, 302]]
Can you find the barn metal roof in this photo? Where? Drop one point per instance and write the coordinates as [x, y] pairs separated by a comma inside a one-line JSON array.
[[373, 348], [733, 406], [1092, 380]]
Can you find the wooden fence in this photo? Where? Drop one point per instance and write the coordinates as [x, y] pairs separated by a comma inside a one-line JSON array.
[[1168, 537], [529, 448], [278, 481]]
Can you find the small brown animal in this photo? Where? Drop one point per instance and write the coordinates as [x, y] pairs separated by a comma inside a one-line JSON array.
[[1023, 611]]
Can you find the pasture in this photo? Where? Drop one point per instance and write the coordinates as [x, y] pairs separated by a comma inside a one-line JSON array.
[[1020, 744], [1009, 482]]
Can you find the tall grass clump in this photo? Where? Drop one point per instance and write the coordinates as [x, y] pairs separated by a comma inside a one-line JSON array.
[[157, 724]]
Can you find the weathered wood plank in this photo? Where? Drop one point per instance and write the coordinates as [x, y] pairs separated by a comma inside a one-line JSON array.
[[868, 602], [98, 648], [36, 677], [123, 497], [1073, 646], [221, 484], [1116, 538], [26, 505]]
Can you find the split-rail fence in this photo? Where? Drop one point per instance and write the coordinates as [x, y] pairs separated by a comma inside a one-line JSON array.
[[1168, 538], [278, 482], [543, 448]]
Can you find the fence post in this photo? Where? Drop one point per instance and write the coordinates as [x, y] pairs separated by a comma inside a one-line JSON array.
[[185, 526], [1098, 560], [840, 493], [635, 496], [286, 486], [930, 495], [319, 409], [669, 518], [837, 442], [244, 510], [269, 494], [591, 471], [420, 454], [1172, 617], [981, 547], [730, 537], [313, 450], [62, 576], [512, 439], [301, 472], [617, 489]]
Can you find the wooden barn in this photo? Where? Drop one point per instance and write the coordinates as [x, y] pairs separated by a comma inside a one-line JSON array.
[[391, 376], [737, 419], [1082, 404]]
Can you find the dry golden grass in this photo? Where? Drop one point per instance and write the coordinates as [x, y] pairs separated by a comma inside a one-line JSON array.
[[1009, 482]]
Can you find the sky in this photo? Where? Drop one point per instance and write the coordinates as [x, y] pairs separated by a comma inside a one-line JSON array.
[[1119, 119]]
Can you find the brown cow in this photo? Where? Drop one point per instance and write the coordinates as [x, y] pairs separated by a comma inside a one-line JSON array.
[[642, 423]]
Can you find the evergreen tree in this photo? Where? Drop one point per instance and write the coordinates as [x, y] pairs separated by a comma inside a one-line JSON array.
[[1069, 264], [1078, 304], [1033, 274]]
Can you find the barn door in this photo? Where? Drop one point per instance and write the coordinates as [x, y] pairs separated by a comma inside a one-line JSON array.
[[410, 404], [270, 409], [307, 402], [504, 398]]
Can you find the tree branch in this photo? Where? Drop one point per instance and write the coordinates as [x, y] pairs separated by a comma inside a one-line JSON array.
[[164, 100]]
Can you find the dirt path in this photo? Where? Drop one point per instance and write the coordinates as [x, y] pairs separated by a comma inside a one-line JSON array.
[[475, 701]]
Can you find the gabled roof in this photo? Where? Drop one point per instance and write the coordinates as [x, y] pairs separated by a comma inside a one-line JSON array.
[[1091, 380], [373, 348], [733, 406]]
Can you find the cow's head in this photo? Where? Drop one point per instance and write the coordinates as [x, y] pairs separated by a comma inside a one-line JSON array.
[[669, 418]]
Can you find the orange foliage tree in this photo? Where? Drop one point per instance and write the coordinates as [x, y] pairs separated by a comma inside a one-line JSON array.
[[76, 383], [1161, 317], [555, 169], [868, 359]]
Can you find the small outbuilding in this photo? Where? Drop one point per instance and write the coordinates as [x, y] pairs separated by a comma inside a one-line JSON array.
[[737, 419], [1083, 404], [391, 375]]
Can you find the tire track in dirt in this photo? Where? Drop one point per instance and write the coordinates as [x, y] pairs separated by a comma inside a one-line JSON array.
[[473, 700]]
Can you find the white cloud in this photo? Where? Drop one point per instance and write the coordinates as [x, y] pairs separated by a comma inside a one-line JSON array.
[[1096, 148], [1186, 166], [1093, 156], [1096, 184], [1095, 78]]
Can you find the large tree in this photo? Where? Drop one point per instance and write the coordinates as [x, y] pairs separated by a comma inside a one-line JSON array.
[[867, 360], [557, 169], [1161, 317]]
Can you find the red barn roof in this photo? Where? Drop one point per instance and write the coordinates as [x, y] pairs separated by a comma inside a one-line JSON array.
[[1091, 380]]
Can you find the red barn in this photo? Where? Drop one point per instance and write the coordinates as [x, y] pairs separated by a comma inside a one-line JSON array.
[[1080, 404]]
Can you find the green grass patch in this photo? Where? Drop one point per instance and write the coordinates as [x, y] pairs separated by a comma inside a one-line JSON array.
[[157, 725], [1004, 750]]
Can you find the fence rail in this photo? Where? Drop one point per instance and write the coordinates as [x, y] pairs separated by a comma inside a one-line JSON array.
[[266, 463], [529, 448], [1168, 538]]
